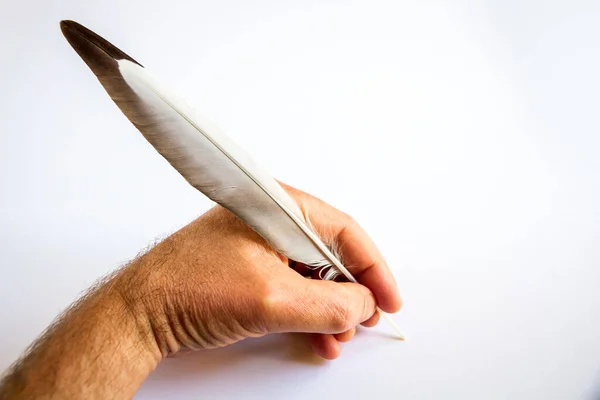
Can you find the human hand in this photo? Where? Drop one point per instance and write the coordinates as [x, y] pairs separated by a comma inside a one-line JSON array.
[[216, 282], [210, 284]]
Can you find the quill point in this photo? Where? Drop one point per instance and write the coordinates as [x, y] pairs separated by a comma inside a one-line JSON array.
[[393, 324]]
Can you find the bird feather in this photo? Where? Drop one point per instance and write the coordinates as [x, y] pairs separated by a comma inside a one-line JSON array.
[[207, 158]]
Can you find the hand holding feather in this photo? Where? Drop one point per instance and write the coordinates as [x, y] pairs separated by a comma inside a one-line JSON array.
[[216, 282], [210, 284], [208, 159]]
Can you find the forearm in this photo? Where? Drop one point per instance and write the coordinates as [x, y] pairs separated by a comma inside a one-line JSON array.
[[99, 349]]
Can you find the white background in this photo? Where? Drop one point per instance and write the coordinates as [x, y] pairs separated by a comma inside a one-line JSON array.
[[464, 136]]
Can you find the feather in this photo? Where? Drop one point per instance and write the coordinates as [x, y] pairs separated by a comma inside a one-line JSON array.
[[206, 158]]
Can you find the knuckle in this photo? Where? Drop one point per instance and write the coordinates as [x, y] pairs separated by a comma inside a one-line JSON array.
[[267, 307], [367, 306], [349, 220], [342, 317]]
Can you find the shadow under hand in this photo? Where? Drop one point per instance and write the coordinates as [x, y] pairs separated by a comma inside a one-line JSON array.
[[272, 349]]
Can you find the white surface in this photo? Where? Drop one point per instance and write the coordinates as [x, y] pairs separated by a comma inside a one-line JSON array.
[[464, 136]]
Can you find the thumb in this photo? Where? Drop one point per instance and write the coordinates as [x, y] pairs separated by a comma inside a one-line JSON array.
[[315, 306]]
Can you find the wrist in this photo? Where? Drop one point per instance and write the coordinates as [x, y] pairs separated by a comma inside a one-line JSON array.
[[145, 290], [132, 306], [123, 342]]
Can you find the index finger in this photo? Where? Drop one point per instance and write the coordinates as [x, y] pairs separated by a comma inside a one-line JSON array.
[[359, 253]]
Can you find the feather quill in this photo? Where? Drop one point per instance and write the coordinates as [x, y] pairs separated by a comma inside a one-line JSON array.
[[208, 160]]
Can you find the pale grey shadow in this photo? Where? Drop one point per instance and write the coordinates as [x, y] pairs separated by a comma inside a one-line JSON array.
[[594, 391], [287, 348]]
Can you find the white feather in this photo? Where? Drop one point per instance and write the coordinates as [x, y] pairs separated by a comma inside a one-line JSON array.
[[204, 156]]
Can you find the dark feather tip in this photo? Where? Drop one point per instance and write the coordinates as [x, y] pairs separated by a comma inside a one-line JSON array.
[[98, 53]]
